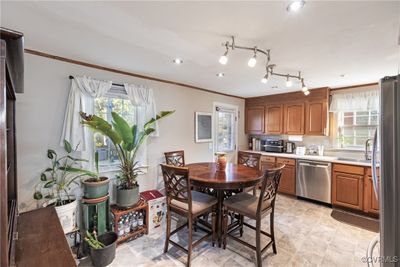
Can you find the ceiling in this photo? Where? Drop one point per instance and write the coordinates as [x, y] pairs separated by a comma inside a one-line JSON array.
[[324, 40]]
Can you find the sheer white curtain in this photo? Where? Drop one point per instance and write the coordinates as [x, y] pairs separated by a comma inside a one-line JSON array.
[[81, 98], [355, 101], [142, 99]]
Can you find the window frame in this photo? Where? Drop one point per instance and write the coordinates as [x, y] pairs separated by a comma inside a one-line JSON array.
[[234, 110]]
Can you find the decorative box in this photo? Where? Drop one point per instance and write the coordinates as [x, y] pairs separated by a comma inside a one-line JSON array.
[[157, 209]]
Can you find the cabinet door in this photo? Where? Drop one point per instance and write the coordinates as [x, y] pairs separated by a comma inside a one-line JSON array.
[[317, 117], [294, 118], [347, 190], [255, 119], [287, 183], [371, 204], [274, 119]]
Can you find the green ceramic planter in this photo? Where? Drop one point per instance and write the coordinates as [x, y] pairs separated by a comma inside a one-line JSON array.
[[93, 189], [127, 198]]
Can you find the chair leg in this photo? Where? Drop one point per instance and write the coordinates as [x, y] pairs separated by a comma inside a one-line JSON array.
[[271, 223], [168, 230], [213, 226], [224, 227], [190, 242], [258, 242], [241, 220], [255, 190]]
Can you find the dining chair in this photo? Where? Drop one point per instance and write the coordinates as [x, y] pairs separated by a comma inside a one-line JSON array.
[[175, 158], [255, 208], [250, 160], [187, 203]]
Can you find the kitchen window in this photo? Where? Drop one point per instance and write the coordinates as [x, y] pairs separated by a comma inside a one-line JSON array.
[[354, 128]]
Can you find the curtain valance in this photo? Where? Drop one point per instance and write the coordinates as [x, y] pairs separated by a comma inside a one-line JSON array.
[[355, 101]]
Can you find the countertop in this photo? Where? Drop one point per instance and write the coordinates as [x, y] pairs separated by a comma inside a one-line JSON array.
[[314, 157]]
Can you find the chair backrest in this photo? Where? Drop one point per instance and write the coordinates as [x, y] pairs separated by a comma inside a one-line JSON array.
[[269, 187], [177, 184], [249, 159], [175, 158]]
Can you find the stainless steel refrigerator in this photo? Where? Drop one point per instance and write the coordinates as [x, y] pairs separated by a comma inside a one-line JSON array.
[[387, 141]]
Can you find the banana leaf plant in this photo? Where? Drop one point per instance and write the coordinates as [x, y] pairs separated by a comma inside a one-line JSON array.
[[57, 180], [127, 141]]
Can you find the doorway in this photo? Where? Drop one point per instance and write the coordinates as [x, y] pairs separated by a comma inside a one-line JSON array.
[[225, 130]]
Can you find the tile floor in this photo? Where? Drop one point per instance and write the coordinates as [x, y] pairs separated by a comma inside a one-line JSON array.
[[306, 236]]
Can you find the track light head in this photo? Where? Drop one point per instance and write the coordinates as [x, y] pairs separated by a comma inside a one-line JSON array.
[[224, 58], [306, 93], [288, 82]]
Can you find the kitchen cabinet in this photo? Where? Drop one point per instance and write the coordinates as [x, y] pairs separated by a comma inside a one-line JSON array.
[[294, 118], [254, 120], [274, 119], [316, 117], [371, 204], [267, 162], [287, 183], [348, 186]]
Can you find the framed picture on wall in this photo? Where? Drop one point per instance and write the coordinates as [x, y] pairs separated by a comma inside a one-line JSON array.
[[203, 127]]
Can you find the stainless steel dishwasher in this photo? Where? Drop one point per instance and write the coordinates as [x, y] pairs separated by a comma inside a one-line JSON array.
[[313, 180]]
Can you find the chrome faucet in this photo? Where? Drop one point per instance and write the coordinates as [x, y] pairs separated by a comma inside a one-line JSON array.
[[367, 155]]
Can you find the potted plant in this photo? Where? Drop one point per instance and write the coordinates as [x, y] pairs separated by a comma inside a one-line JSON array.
[[102, 248], [56, 184], [96, 186], [127, 141]]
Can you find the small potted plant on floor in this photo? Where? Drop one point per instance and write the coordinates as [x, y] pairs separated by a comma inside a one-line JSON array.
[[127, 141], [102, 248], [56, 184], [97, 186]]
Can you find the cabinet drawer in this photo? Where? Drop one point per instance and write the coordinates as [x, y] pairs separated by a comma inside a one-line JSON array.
[[268, 159], [369, 171], [286, 161], [348, 169]]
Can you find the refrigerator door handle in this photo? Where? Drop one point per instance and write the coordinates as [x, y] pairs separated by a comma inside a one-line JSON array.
[[373, 167]]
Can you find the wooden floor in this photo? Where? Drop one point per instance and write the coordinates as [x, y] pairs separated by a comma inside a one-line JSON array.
[[41, 241]]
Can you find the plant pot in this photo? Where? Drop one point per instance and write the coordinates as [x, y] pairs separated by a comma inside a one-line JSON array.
[[127, 198], [67, 215], [104, 256], [95, 189]]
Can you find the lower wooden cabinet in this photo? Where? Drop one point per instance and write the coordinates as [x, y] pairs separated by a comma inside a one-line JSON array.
[[287, 183], [352, 188], [371, 204]]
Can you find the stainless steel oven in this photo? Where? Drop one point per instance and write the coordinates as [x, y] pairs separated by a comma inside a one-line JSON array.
[[313, 180]]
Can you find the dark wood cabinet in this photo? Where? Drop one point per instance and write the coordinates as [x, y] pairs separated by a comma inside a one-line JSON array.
[[371, 203], [274, 119], [294, 118], [348, 186], [287, 183], [317, 117], [254, 120]]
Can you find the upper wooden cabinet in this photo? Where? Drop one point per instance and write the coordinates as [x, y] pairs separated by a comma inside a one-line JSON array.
[[317, 117], [294, 118], [289, 113], [255, 119], [274, 119]]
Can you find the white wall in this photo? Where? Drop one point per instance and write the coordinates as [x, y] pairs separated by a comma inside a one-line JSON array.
[[40, 113]]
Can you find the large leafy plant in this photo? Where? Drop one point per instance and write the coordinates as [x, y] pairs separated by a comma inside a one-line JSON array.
[[57, 180], [127, 141]]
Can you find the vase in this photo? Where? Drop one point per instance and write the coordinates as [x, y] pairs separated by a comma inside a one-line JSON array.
[[221, 163]]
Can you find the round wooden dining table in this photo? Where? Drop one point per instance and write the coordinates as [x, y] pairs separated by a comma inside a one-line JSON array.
[[234, 177]]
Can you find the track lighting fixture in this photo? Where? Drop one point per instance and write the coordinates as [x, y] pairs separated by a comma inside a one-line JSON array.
[[288, 81], [269, 67], [178, 61], [224, 58], [253, 61], [303, 86]]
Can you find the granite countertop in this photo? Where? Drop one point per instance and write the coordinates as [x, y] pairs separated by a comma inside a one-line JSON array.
[[314, 157]]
